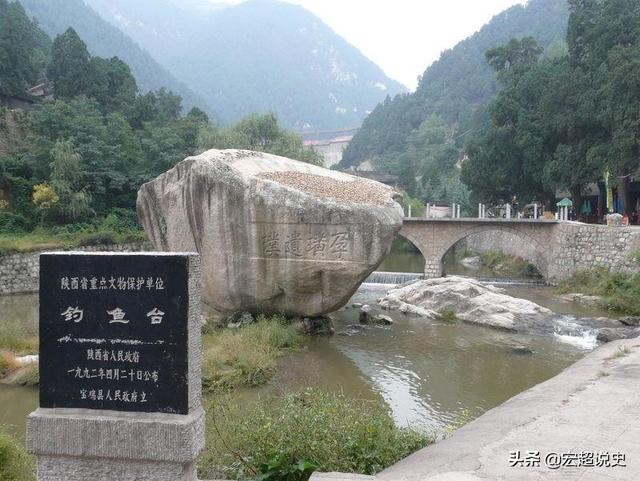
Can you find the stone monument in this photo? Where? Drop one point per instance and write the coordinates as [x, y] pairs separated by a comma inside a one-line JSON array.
[[275, 235], [120, 368]]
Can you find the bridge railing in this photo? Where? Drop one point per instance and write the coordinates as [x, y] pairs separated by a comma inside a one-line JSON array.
[[453, 211]]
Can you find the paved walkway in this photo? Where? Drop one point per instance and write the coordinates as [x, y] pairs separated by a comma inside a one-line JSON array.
[[591, 407]]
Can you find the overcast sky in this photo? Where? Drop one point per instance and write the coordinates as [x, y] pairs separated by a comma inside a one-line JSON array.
[[404, 36]]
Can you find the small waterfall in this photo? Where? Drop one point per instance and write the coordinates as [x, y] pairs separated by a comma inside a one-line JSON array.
[[567, 330], [510, 281], [380, 277]]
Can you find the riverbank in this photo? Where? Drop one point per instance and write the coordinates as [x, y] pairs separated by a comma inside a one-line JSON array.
[[266, 435], [616, 291], [591, 407]]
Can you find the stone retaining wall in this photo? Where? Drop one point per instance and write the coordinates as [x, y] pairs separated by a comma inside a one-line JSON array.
[[580, 246], [20, 272], [574, 247]]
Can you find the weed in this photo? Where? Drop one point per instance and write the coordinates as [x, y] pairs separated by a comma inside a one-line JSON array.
[[620, 291], [284, 438], [246, 356], [15, 463], [447, 315], [29, 376]]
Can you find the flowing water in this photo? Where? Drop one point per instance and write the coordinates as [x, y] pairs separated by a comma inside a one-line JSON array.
[[430, 373]]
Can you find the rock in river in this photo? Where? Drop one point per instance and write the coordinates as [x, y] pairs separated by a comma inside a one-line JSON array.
[[275, 235], [470, 300]]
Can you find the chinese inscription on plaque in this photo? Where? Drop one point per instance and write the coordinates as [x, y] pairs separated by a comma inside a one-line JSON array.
[[113, 332], [307, 242]]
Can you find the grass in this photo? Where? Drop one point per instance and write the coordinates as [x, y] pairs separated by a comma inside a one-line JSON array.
[[49, 239], [18, 338], [279, 436], [620, 292], [447, 315], [622, 351], [15, 463], [28, 377], [462, 418], [18, 325], [246, 356]]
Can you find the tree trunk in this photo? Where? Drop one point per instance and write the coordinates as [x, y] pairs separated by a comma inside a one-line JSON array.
[[576, 196], [624, 194], [602, 201]]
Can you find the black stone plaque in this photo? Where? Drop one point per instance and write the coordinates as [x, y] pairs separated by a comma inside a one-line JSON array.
[[113, 332]]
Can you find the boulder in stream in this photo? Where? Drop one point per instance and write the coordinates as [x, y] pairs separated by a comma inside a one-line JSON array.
[[274, 235], [472, 262], [470, 300], [608, 334]]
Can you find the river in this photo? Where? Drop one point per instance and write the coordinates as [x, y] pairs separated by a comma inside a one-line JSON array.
[[431, 374]]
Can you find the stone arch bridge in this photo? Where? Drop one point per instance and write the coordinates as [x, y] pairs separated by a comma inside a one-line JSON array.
[[556, 248]]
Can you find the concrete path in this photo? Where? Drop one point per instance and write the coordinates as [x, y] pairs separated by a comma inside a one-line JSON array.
[[593, 406]]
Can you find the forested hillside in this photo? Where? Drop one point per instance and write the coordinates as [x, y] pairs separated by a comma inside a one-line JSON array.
[[567, 121], [424, 131], [257, 56], [103, 39], [77, 162]]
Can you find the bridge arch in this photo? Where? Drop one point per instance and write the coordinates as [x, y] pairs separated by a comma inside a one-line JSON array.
[[434, 239], [506, 240]]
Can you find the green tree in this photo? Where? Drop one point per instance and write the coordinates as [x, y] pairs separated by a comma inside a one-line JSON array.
[[258, 132], [514, 59], [18, 55], [622, 99], [510, 157], [71, 69], [67, 181], [111, 84]]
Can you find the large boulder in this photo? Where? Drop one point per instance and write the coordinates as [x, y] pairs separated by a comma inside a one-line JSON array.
[[275, 235], [471, 302]]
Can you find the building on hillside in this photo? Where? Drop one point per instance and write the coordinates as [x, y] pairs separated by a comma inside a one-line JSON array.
[[42, 91], [331, 149], [329, 143]]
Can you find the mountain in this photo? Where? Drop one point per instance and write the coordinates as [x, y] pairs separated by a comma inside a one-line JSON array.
[[456, 88], [105, 40], [257, 56]]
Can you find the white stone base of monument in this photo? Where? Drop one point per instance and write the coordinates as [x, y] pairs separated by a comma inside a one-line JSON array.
[[81, 444]]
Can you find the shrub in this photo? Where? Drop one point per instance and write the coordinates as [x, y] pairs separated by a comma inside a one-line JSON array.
[[15, 463], [287, 437], [11, 223], [121, 221], [96, 238]]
